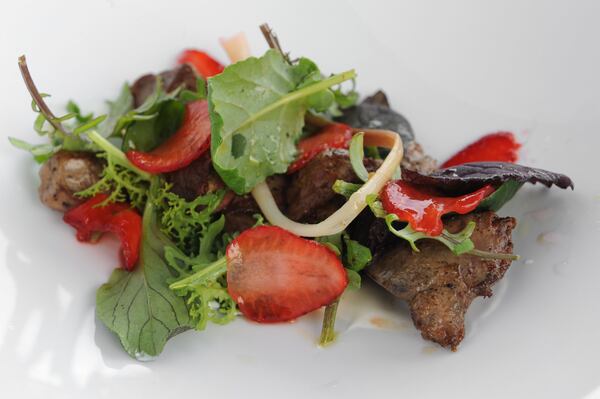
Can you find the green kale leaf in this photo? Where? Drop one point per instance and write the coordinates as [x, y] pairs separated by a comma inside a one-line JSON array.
[[257, 109]]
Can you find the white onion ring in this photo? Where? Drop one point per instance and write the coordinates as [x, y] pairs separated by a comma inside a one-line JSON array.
[[341, 218]]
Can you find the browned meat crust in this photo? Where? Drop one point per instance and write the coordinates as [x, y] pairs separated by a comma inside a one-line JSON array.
[[416, 159], [66, 173], [239, 214], [200, 178], [439, 286], [310, 197], [196, 179], [144, 86]]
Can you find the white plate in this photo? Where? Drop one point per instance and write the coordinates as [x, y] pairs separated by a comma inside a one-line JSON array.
[[455, 70]]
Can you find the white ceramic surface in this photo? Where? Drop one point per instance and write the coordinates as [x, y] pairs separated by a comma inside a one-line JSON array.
[[455, 69]]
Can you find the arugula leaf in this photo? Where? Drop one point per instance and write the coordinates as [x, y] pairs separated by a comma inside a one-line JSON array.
[[117, 109], [357, 256], [122, 116], [501, 196], [74, 109], [41, 152], [333, 242], [146, 135], [138, 306], [354, 280], [257, 112], [70, 140], [346, 99]]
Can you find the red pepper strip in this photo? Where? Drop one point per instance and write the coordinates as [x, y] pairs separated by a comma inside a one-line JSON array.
[[336, 135], [127, 225], [204, 64], [90, 218], [190, 141], [424, 210], [494, 147]]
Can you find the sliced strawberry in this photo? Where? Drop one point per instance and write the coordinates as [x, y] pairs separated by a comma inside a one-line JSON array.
[[494, 147], [336, 135], [274, 275]]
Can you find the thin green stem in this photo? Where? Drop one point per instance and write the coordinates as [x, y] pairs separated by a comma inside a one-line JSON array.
[[117, 155], [38, 98], [328, 329], [209, 272]]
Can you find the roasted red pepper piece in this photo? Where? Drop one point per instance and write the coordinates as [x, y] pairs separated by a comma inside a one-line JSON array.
[[204, 64], [190, 141], [422, 209], [127, 225], [336, 135], [274, 275], [494, 147], [91, 218]]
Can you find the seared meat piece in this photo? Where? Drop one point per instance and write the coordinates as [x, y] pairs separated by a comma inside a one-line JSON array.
[[182, 75], [370, 231], [416, 159], [310, 197], [200, 177], [196, 179], [66, 173], [239, 213], [439, 286]]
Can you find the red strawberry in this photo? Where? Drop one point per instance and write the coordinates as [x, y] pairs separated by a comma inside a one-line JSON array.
[[274, 275]]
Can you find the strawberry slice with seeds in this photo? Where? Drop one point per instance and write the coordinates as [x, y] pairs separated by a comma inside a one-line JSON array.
[[274, 275]]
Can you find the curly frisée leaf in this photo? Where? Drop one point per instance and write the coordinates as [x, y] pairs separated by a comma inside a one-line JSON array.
[[257, 109]]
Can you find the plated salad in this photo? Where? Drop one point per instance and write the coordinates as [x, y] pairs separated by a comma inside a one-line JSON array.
[[265, 189]]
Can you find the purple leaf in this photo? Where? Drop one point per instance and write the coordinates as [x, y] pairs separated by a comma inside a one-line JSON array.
[[465, 178]]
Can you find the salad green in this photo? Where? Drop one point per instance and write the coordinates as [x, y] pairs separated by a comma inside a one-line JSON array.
[[138, 306], [257, 109]]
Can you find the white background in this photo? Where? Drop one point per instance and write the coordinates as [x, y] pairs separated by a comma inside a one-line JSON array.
[[455, 69]]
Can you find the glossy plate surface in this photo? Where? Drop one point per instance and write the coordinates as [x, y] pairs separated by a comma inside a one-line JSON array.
[[456, 70]]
